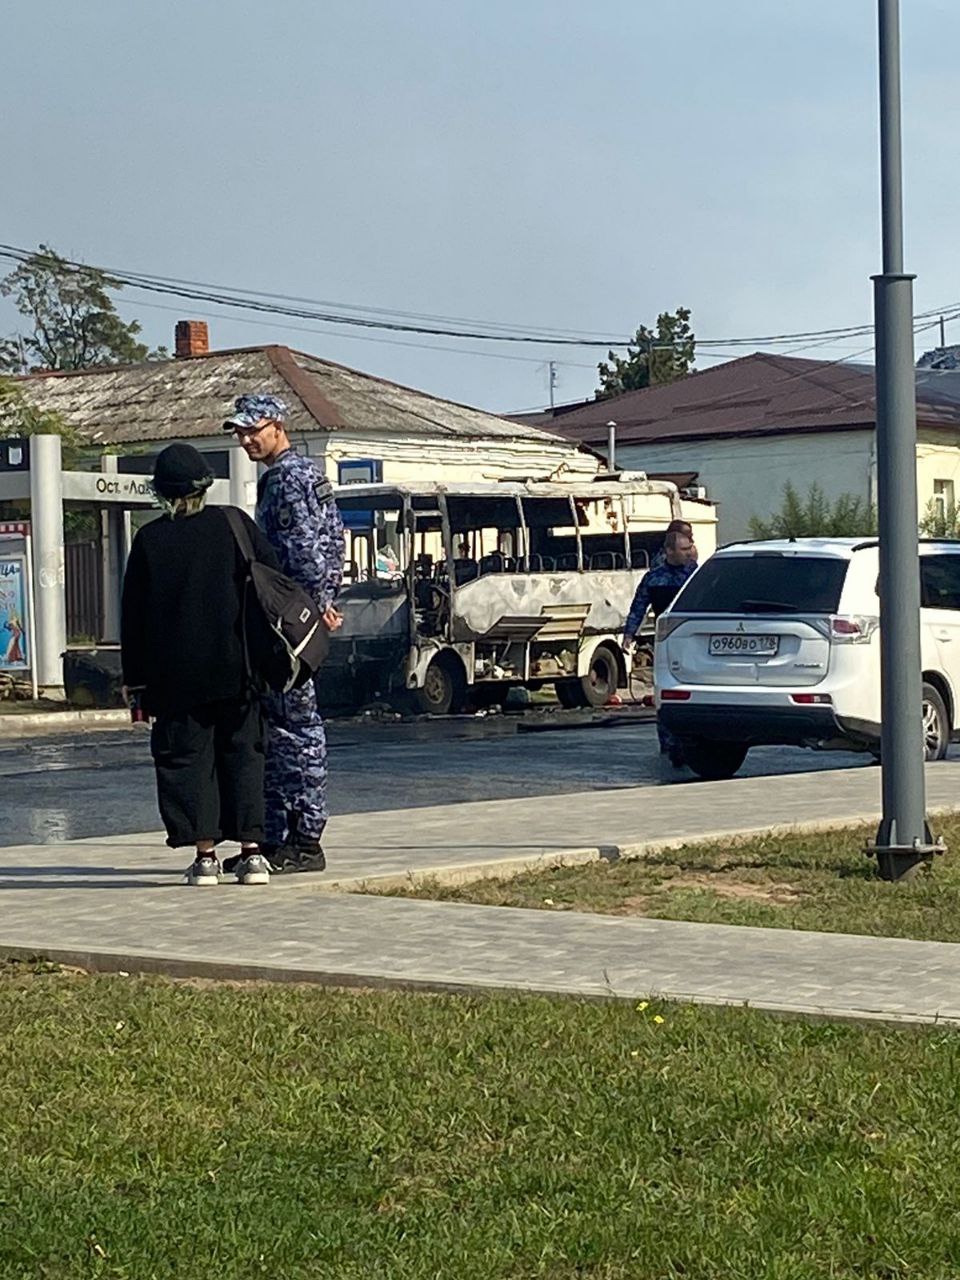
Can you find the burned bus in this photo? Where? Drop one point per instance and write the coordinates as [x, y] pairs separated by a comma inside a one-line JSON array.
[[454, 593]]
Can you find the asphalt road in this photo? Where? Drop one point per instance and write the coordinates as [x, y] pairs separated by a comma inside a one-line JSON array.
[[101, 783]]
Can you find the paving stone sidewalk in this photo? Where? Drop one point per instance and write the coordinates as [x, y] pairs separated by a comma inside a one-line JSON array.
[[118, 903]]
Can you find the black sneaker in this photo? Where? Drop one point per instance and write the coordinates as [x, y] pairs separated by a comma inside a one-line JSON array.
[[302, 857]]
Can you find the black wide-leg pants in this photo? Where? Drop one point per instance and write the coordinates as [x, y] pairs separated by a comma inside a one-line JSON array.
[[209, 763]]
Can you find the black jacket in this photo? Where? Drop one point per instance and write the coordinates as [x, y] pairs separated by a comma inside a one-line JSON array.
[[180, 625]]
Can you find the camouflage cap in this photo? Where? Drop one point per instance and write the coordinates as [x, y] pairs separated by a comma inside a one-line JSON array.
[[251, 409]]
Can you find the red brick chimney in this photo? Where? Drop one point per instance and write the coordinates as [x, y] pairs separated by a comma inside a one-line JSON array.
[[191, 338]]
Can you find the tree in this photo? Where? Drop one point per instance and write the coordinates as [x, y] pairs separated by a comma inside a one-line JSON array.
[[18, 417], [652, 357], [816, 517], [74, 324], [940, 522]]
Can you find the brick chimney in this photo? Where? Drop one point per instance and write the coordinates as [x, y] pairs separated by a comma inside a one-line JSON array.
[[191, 338]]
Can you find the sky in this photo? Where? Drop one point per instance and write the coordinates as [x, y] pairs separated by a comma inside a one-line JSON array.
[[537, 163]]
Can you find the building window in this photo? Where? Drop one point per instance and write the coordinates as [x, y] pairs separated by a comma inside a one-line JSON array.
[[943, 499]]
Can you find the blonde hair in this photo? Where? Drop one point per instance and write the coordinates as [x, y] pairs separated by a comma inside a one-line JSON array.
[[188, 506]]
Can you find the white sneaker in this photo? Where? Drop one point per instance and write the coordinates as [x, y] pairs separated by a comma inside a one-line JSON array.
[[205, 869], [252, 868]]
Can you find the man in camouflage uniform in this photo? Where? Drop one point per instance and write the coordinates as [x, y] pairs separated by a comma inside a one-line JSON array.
[[296, 511], [675, 526], [656, 591]]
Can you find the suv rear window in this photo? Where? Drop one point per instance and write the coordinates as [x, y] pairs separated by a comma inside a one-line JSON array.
[[765, 583]]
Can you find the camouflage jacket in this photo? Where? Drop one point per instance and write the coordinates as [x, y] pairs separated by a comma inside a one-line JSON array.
[[658, 586], [296, 511]]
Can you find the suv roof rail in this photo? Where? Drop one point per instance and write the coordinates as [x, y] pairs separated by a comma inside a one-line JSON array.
[[752, 542], [748, 542], [923, 542]]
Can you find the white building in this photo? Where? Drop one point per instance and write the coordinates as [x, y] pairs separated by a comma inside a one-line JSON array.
[[743, 429]]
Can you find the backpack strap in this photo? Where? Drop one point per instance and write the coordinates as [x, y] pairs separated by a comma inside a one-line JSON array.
[[240, 533], [242, 538]]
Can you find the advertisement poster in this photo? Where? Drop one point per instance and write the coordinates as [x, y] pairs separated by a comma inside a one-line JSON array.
[[13, 615]]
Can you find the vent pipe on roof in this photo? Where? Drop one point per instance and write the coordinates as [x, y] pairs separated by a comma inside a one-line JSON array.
[[611, 446], [191, 338]]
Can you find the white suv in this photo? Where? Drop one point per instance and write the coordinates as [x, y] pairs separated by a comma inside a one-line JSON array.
[[777, 643]]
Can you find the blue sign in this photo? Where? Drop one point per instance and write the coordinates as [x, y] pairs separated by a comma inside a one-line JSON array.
[[14, 650], [359, 471]]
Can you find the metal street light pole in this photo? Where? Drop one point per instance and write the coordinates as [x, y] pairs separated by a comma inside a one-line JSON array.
[[903, 839]]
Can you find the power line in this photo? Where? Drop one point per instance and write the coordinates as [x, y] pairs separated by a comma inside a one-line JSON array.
[[352, 337], [248, 302], [484, 331], [345, 306]]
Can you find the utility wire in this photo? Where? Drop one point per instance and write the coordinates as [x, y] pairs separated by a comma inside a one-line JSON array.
[[272, 304], [139, 304]]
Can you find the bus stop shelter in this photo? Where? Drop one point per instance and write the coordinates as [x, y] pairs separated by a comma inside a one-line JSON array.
[[33, 613]]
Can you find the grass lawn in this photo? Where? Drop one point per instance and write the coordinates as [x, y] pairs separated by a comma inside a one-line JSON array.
[[152, 1129], [816, 881]]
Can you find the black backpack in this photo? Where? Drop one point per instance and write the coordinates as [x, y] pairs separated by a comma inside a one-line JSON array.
[[285, 638]]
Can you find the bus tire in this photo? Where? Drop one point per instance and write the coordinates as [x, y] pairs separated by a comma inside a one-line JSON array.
[[444, 687], [487, 694], [570, 693], [602, 679]]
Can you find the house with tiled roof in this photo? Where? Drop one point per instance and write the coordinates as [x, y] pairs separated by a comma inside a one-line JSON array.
[[741, 430], [338, 415]]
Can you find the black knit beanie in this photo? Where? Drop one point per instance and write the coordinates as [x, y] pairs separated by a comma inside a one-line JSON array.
[[179, 471]]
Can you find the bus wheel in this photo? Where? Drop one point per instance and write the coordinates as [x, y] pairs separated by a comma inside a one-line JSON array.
[[444, 687], [570, 693], [602, 679], [487, 695]]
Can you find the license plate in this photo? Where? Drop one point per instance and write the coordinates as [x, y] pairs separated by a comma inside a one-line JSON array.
[[735, 644]]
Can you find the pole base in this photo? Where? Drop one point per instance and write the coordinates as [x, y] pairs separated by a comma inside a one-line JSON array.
[[904, 861]]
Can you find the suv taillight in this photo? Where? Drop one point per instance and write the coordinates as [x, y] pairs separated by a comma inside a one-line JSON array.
[[855, 628], [665, 625]]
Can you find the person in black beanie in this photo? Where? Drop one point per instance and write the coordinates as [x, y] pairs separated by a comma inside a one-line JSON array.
[[184, 667]]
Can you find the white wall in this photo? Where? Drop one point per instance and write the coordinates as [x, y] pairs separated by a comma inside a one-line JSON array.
[[746, 477], [936, 460]]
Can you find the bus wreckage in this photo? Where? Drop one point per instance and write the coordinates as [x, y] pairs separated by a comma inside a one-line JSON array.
[[454, 593]]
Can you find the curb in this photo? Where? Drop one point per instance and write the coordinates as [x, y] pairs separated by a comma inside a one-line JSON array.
[[456, 874], [136, 964], [20, 726]]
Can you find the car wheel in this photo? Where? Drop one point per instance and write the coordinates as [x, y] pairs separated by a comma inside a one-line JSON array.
[[936, 725], [444, 688], [714, 761]]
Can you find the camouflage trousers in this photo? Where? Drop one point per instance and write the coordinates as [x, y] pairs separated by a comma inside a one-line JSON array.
[[296, 774]]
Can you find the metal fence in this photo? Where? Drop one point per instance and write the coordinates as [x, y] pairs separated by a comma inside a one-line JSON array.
[[84, 589]]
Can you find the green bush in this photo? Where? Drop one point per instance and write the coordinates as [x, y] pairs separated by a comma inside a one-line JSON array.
[[937, 523], [815, 516]]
